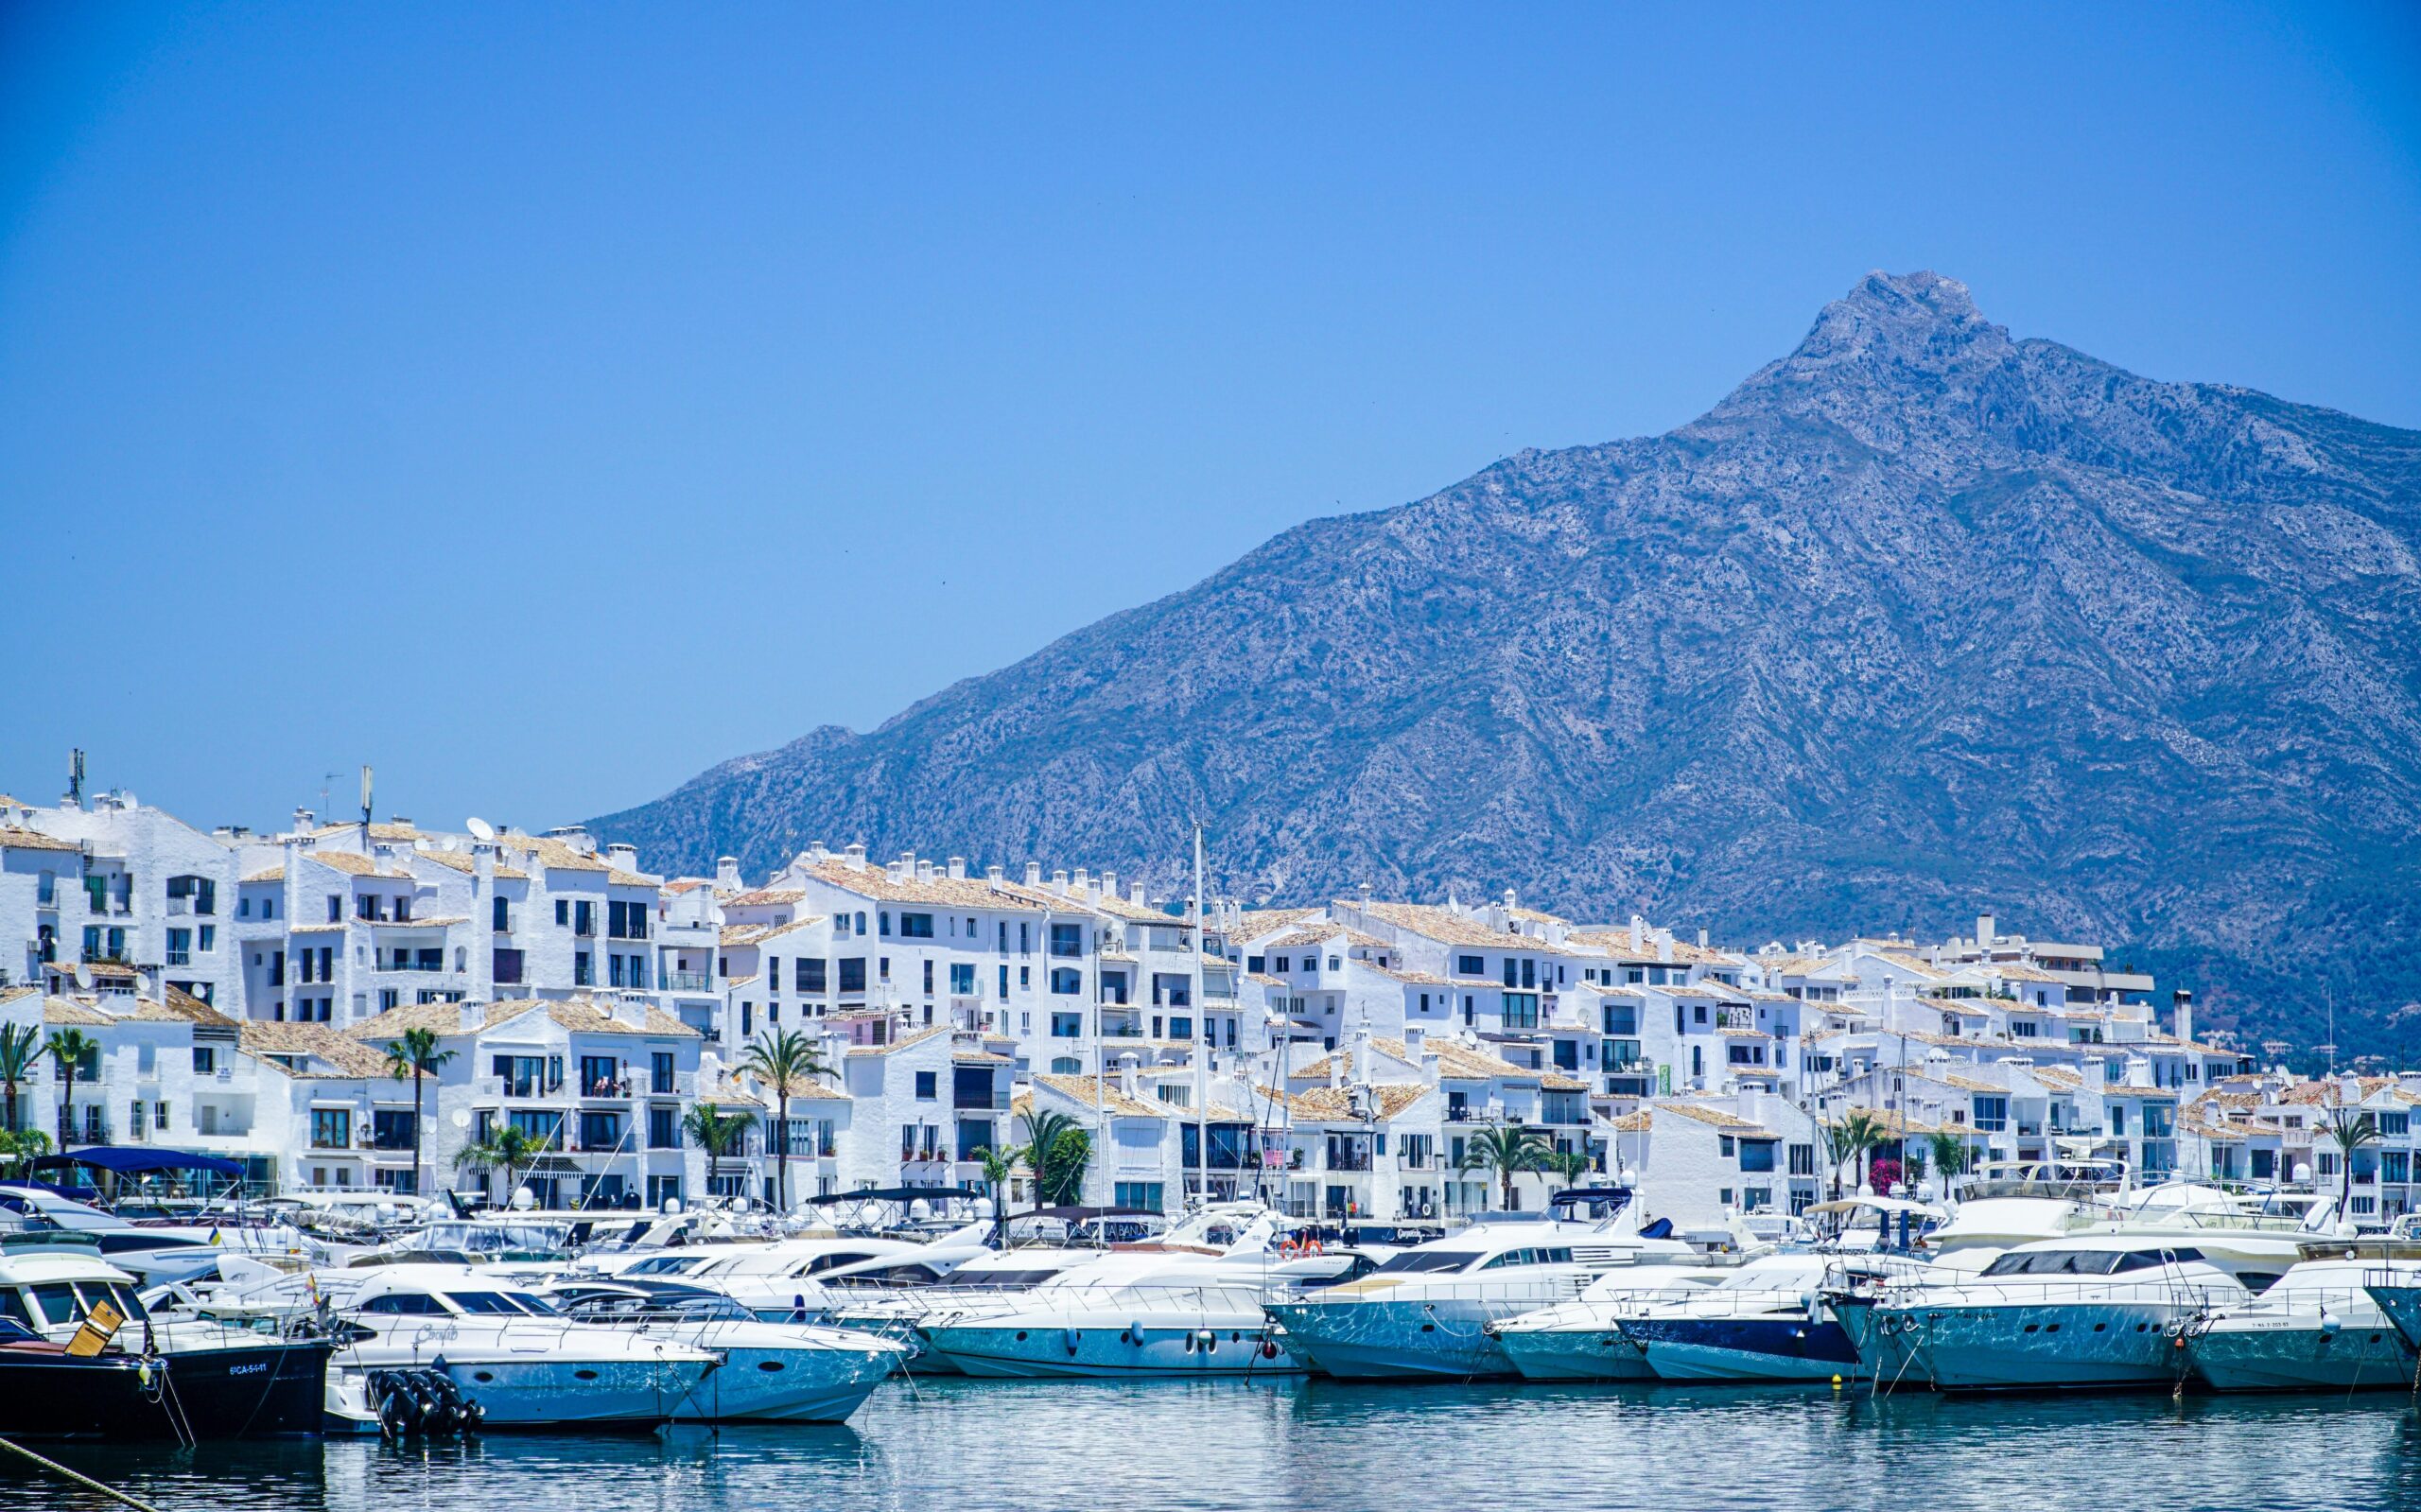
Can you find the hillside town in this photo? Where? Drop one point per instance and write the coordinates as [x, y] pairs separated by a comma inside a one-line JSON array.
[[255, 996]]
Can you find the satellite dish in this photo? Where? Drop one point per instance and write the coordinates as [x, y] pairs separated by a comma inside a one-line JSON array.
[[480, 829], [460, 1117], [83, 974]]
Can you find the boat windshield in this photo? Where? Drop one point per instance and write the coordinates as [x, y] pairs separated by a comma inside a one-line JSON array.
[[1435, 1261], [2084, 1262], [65, 1302], [535, 1304], [482, 1302], [667, 1265]]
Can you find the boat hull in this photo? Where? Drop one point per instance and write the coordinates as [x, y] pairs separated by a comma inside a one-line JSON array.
[[1575, 1354], [2060, 1346], [761, 1385], [542, 1393], [1744, 1349], [275, 1390], [2300, 1357], [1442, 1339], [1001, 1351]]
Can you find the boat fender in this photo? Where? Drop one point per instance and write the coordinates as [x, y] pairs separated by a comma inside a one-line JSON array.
[[2330, 1323], [1134, 1333], [1269, 1348], [1071, 1336], [1209, 1341]]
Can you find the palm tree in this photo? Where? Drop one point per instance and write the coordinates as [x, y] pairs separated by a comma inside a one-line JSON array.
[[1509, 1150], [999, 1165], [505, 1147], [415, 1055], [717, 1133], [784, 1061], [1950, 1151], [2349, 1128], [69, 1049], [1057, 1151], [1858, 1132], [19, 1050], [1571, 1165]]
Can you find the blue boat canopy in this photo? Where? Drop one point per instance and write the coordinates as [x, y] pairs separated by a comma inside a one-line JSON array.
[[128, 1161]]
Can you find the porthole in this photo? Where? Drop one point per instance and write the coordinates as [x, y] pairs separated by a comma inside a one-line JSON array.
[[1020, 1336], [584, 1375], [482, 1375], [769, 1364], [2099, 1327], [2034, 1327], [2053, 1328]]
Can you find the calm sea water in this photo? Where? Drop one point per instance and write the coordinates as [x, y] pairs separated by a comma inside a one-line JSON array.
[[969, 1447]]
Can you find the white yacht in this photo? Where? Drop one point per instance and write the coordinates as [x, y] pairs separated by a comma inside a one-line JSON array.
[[1424, 1311], [1765, 1321], [1579, 1340], [2007, 1203], [2080, 1311], [525, 1366], [1174, 1306], [155, 1254], [2316, 1328], [770, 1372]]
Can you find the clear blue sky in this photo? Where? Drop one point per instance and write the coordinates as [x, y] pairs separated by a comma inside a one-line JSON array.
[[547, 402]]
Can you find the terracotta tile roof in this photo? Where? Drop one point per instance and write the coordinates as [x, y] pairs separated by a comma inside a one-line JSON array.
[[377, 831], [765, 897], [1334, 1104], [349, 862], [552, 854], [1258, 924], [1634, 1122], [1104, 1092], [1558, 1081], [339, 1055], [182, 1007], [271, 874], [979, 1057], [2059, 1076], [1443, 925], [1416, 978], [466, 863], [940, 891], [738, 934], [68, 1011], [587, 1016], [1721, 1120]]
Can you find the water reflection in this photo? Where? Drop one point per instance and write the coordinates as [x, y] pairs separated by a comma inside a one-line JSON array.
[[963, 1446]]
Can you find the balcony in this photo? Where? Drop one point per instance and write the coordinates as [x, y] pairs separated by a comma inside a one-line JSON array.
[[180, 957], [685, 981]]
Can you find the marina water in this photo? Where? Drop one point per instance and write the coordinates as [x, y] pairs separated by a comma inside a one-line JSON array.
[[964, 1445]]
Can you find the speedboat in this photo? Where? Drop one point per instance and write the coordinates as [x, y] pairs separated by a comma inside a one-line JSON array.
[[2082, 1312], [2316, 1328], [770, 1372], [154, 1254], [524, 1364], [149, 1378], [1423, 1314], [1579, 1339], [1765, 1321], [986, 1284], [2009, 1203]]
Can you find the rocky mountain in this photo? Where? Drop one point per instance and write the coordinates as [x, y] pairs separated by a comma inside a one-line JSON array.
[[1922, 621]]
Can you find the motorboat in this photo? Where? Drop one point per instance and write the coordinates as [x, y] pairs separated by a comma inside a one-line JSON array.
[[2316, 1328], [2007, 1203], [1765, 1321], [1579, 1339], [152, 1253], [1173, 1306], [770, 1372], [2082, 1311], [524, 1364], [149, 1378], [1423, 1313]]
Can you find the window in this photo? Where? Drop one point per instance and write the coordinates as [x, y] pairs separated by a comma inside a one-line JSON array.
[[1067, 981], [1992, 1114], [809, 975], [600, 1131], [1470, 965], [853, 973], [508, 967], [1066, 1065], [915, 926], [1520, 1010], [1145, 1196], [1067, 1026], [501, 915], [1256, 964], [331, 1129], [1068, 940], [1803, 1159], [583, 974], [335, 908], [927, 1088], [962, 979], [1620, 1018], [2395, 1124], [1757, 1155], [663, 1128], [584, 917], [205, 1060]]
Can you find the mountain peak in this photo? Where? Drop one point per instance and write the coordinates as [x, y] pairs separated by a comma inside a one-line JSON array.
[[1920, 320]]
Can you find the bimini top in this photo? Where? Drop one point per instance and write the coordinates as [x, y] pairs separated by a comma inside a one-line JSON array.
[[127, 1160]]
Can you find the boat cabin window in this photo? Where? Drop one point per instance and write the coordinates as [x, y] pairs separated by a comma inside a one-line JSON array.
[[412, 1303], [482, 1302], [12, 1307], [57, 1300], [825, 1263], [667, 1265], [537, 1305], [1434, 1262], [2084, 1262], [1530, 1257], [1006, 1280]]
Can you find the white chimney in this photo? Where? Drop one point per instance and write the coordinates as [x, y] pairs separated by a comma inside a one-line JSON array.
[[924, 871], [958, 868], [1753, 1102], [1127, 1082], [624, 856], [855, 855], [473, 1016], [726, 874], [1701, 939], [1110, 885], [2185, 1013], [1135, 892], [1986, 931], [1033, 874], [994, 875], [1412, 1037], [1084, 880], [1060, 881], [1638, 932]]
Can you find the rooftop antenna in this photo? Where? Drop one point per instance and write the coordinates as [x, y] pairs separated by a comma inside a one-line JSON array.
[[76, 776], [480, 829]]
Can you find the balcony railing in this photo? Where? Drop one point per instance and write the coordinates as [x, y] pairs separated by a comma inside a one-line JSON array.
[[686, 982], [180, 957]]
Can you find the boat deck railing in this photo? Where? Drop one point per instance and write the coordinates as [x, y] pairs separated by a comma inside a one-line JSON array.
[[2019, 1291]]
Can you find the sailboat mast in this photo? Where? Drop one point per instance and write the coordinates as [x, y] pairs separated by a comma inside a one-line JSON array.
[[1201, 1018]]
